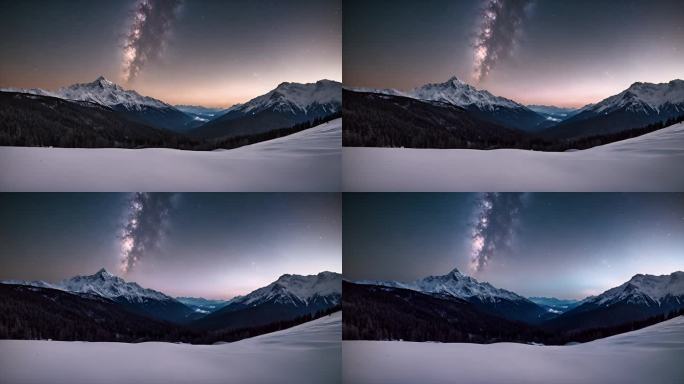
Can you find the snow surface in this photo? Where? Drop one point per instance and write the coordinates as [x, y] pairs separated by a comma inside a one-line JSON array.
[[454, 284], [307, 161], [651, 162], [650, 355], [297, 289], [307, 353]]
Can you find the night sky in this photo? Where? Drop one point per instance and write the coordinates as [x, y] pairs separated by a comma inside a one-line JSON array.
[[209, 245], [204, 52], [564, 245], [565, 53]]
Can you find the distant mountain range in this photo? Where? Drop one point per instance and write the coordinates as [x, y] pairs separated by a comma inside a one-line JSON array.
[[548, 320], [290, 104], [484, 117], [289, 297], [555, 305]]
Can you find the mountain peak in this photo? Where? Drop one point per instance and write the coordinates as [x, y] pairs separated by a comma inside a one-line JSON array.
[[103, 273], [102, 82], [453, 80], [455, 272]]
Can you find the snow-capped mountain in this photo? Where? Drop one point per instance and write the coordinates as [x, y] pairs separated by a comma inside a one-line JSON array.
[[284, 299], [480, 103], [639, 298], [637, 106], [105, 284], [296, 98], [297, 290], [106, 92], [286, 105], [142, 109], [644, 290], [136, 298], [483, 295], [645, 98], [457, 92], [453, 284]]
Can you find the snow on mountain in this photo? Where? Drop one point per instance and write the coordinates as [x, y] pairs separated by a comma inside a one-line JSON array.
[[644, 289], [644, 98], [296, 98], [32, 91], [457, 92], [105, 92], [297, 290], [454, 284], [452, 91], [102, 283], [107, 285], [101, 91]]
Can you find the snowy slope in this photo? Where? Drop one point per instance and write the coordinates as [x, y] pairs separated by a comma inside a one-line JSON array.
[[650, 355], [297, 290], [651, 162], [453, 284], [307, 161], [308, 353]]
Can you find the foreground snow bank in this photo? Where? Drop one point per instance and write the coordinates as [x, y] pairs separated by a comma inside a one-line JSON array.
[[307, 161], [650, 355], [652, 162], [307, 353]]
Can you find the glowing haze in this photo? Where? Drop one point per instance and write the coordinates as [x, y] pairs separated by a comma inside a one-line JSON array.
[[210, 53], [212, 245], [553, 52]]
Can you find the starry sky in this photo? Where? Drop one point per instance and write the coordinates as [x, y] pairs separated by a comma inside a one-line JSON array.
[[208, 245], [544, 244], [553, 52], [204, 52]]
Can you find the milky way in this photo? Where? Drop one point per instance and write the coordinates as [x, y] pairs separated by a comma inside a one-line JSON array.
[[493, 231], [152, 22], [147, 218], [502, 21]]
